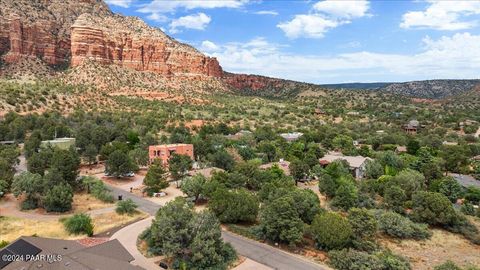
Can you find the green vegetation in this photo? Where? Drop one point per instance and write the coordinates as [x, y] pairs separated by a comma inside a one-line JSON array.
[[403, 194], [189, 238], [79, 224], [126, 207], [331, 231], [97, 188], [155, 180]]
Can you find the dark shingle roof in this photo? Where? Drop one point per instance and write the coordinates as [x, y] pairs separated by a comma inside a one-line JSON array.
[[74, 256]]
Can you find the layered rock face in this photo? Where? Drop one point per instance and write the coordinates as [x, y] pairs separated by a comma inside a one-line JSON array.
[[35, 40], [129, 42], [41, 28], [252, 82]]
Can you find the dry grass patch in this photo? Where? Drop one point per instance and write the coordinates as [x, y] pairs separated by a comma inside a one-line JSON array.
[[84, 202], [104, 222], [12, 228], [441, 247]]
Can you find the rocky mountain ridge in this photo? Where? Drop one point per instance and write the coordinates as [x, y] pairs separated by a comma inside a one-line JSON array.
[[69, 33], [431, 89]]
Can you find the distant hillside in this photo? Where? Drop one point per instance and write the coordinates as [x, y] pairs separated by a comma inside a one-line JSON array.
[[434, 89], [267, 86], [357, 86]]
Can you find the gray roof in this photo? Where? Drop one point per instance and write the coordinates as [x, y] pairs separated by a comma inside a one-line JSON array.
[[465, 180], [105, 256], [353, 161]]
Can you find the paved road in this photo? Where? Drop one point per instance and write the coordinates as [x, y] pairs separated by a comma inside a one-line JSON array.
[[143, 204], [265, 254], [254, 250]]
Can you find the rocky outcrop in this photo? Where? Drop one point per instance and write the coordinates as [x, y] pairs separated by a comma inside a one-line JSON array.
[[18, 40], [252, 82], [41, 28], [129, 42], [267, 86]]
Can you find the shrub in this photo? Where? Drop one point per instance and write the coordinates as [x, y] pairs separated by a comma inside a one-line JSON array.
[[234, 206], [392, 261], [3, 187], [408, 180], [59, 198], [4, 243], [473, 195], [306, 203], [349, 259], [433, 208], [465, 228], [346, 195], [279, 221], [98, 189], [331, 231], [126, 207], [449, 187], [79, 224], [448, 265], [398, 226], [395, 198], [363, 223], [468, 209]]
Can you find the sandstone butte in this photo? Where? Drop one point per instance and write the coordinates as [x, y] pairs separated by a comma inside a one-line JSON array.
[[70, 32], [41, 28], [62, 32], [130, 42]]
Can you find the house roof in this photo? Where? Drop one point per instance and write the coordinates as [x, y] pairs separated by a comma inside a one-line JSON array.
[[108, 255], [465, 180], [291, 135], [283, 165], [353, 161]]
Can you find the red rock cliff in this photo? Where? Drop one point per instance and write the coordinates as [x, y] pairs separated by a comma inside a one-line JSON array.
[[41, 28], [129, 42], [32, 40]]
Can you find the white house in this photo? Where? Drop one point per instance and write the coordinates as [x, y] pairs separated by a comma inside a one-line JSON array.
[[357, 163]]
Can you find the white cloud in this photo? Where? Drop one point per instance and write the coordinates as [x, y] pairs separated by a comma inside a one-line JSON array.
[[313, 26], [343, 9], [198, 22], [157, 17], [120, 3], [443, 15], [208, 46], [267, 12], [456, 56], [169, 6], [325, 16]]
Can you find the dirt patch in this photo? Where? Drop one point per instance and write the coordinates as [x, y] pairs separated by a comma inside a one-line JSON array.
[[441, 247]]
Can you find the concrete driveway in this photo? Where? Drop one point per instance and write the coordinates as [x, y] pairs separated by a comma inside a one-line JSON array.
[[128, 237]]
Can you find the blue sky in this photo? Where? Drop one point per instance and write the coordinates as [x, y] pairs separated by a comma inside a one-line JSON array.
[[325, 41]]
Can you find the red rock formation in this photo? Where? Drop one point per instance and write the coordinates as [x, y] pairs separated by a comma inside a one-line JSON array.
[[33, 40], [252, 82], [129, 42], [41, 28]]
